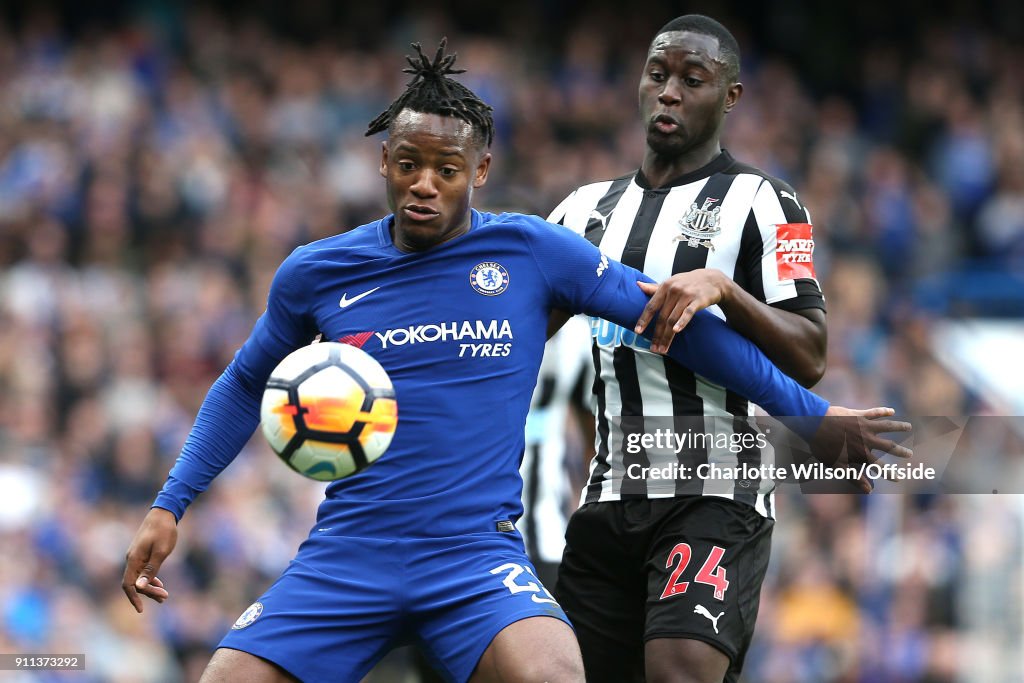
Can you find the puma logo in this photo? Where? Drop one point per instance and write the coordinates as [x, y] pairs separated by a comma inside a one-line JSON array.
[[597, 215], [701, 609], [792, 196]]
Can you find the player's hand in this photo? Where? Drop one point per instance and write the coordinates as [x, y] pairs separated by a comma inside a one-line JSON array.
[[849, 437], [676, 300], [153, 542]]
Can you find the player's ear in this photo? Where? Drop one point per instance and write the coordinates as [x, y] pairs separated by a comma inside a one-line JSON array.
[[482, 169], [384, 159], [733, 95]]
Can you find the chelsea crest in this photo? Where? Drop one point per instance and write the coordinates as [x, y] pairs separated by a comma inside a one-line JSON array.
[[699, 225], [489, 278], [251, 613]]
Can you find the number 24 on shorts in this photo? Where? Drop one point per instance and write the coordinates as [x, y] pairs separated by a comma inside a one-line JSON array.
[[537, 590], [710, 572]]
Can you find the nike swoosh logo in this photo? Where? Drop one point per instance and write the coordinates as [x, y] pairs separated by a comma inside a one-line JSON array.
[[346, 302]]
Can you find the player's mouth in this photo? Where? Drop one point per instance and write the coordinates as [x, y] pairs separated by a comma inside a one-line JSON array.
[[419, 213], [665, 124]]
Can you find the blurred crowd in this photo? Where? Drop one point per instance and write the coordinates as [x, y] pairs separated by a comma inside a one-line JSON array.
[[154, 170]]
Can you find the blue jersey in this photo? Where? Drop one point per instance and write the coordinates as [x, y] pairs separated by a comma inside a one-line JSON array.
[[460, 328]]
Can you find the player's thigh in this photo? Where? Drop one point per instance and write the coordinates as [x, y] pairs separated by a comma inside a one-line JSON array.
[[231, 666], [329, 617], [535, 649], [468, 591], [705, 571], [602, 588], [683, 660]]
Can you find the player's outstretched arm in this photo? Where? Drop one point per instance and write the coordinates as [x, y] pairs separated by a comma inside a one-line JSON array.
[[582, 279], [153, 542], [226, 420]]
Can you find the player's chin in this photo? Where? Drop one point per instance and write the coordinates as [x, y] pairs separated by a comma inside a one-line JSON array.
[[423, 234], [672, 144]]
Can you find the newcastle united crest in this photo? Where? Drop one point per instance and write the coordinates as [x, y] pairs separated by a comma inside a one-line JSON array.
[[698, 226]]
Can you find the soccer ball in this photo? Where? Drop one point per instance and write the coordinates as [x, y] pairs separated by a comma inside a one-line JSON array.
[[329, 410]]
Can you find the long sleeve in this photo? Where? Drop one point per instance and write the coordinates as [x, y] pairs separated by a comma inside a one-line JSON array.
[[231, 410], [226, 420]]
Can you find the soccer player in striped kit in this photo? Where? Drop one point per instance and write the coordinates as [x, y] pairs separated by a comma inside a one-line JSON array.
[[551, 466], [662, 579]]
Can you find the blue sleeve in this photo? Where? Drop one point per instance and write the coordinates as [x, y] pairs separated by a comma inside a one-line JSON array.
[[583, 280], [231, 410]]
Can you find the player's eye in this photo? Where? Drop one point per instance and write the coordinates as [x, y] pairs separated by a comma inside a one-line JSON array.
[[656, 76], [448, 171], [406, 165], [692, 82]]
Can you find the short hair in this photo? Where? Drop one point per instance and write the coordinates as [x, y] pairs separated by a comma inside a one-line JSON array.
[[431, 92], [727, 45]]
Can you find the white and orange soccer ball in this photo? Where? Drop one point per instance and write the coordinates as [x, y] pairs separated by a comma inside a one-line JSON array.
[[329, 410]]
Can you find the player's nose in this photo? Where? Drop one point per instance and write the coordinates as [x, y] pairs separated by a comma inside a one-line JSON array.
[[425, 185], [671, 92]]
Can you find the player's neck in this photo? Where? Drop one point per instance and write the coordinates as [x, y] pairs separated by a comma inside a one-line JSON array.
[[660, 170], [410, 242]]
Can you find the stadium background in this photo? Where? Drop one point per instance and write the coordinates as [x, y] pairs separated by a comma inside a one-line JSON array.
[[157, 161]]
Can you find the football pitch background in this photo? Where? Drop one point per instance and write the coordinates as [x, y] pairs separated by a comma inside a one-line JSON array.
[[158, 160]]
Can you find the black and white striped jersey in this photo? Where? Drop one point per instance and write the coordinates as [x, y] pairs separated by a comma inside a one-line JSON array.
[[563, 382], [728, 216]]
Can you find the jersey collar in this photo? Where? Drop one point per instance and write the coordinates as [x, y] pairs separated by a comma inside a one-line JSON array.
[[721, 162]]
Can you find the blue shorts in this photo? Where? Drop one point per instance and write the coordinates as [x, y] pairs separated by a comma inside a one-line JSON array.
[[344, 602]]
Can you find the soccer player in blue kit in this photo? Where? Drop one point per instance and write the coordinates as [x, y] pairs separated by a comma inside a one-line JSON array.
[[421, 547]]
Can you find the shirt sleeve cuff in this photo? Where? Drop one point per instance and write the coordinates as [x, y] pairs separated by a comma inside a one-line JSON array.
[[175, 496]]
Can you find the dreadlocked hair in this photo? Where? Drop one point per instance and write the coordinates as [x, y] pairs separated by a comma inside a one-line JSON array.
[[431, 92]]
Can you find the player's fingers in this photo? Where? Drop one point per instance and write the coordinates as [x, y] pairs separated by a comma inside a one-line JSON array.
[[878, 426], [657, 295], [859, 450], [865, 484], [902, 452], [137, 574], [145, 575], [154, 589], [687, 315], [128, 586], [665, 332], [149, 584], [894, 448], [875, 413]]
